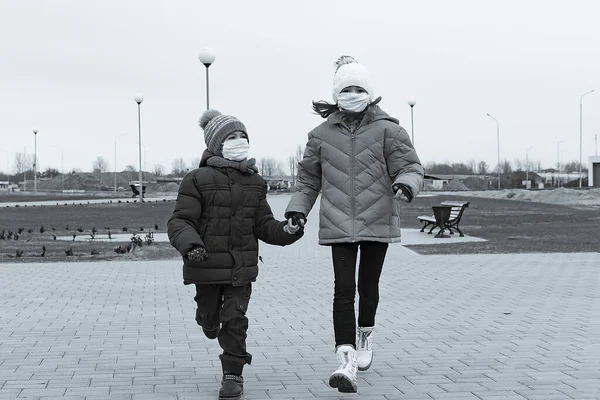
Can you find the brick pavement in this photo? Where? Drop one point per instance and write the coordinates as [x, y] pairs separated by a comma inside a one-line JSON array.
[[484, 327]]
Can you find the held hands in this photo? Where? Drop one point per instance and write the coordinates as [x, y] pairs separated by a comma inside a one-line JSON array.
[[402, 193], [295, 223], [197, 254]]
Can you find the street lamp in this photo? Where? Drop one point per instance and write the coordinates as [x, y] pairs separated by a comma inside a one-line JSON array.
[[498, 138], [527, 168], [412, 103], [138, 99], [581, 131], [116, 137], [207, 57], [35, 131]]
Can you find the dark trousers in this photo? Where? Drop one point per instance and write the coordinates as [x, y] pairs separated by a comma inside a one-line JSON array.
[[226, 305], [372, 256]]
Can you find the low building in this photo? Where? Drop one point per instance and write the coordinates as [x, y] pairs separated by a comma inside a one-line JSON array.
[[594, 171], [278, 182]]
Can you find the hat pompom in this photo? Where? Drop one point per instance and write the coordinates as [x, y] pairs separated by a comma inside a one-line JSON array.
[[207, 117], [343, 60]]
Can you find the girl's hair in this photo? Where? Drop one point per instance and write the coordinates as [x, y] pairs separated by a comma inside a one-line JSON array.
[[325, 109]]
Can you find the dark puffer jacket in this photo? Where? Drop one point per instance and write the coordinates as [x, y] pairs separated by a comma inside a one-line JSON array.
[[226, 212]]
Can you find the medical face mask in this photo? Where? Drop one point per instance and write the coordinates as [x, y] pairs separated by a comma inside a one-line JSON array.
[[354, 102], [236, 149]]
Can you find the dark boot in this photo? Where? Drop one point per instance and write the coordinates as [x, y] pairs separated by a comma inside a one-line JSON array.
[[211, 333], [232, 387]]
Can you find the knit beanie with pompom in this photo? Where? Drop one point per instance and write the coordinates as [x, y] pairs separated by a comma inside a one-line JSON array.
[[350, 73], [217, 127]]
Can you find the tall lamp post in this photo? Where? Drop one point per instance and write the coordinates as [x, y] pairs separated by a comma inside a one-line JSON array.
[[35, 131], [581, 132], [412, 103], [207, 57], [138, 99], [116, 137], [498, 139]]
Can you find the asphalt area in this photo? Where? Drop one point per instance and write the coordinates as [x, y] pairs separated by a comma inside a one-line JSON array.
[[509, 226]]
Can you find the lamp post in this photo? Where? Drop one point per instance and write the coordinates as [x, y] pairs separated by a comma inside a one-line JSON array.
[[138, 99], [207, 57], [35, 131], [412, 103], [498, 139], [581, 132], [116, 137], [527, 168]]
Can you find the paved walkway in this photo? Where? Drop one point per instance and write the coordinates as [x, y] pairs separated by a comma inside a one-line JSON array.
[[460, 327], [484, 327]]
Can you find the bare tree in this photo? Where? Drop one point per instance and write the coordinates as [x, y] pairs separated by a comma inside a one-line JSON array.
[[270, 166], [482, 168], [130, 168], [519, 165], [299, 153], [195, 162], [179, 167], [292, 165], [23, 162], [100, 164], [506, 167], [159, 170]]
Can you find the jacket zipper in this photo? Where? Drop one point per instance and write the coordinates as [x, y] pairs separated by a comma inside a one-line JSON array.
[[352, 188]]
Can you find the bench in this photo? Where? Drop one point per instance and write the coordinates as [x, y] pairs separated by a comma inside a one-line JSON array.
[[456, 212], [136, 192]]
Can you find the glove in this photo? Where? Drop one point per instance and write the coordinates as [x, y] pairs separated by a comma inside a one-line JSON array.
[[197, 254], [402, 192], [291, 229], [295, 223]]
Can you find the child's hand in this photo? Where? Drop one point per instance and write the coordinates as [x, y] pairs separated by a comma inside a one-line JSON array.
[[197, 254], [402, 193], [291, 229], [295, 223]]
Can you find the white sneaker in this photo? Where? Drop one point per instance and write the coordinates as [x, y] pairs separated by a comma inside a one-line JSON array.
[[364, 348], [344, 378]]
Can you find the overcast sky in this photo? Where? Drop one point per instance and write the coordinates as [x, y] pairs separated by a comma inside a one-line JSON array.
[[71, 68]]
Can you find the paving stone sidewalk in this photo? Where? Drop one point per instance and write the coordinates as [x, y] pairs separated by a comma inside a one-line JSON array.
[[449, 327]]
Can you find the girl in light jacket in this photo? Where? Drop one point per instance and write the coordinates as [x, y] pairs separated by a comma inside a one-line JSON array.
[[363, 164]]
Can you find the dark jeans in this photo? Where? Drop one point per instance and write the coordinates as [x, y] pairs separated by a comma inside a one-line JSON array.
[[226, 305], [372, 256]]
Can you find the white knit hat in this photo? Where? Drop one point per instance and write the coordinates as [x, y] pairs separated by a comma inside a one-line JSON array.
[[350, 73]]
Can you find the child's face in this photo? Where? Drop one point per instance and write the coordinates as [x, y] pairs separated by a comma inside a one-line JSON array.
[[354, 89], [236, 135]]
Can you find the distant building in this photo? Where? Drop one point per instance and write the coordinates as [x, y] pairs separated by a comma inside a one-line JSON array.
[[594, 168], [278, 182]]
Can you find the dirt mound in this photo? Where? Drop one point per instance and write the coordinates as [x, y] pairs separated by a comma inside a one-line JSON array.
[[97, 182], [456, 185]]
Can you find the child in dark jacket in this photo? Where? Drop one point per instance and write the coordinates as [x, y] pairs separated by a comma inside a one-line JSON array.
[[220, 215]]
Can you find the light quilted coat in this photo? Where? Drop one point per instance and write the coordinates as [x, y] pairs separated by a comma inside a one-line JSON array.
[[355, 174]]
